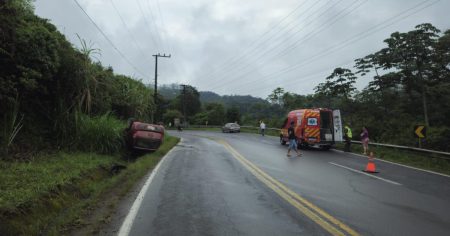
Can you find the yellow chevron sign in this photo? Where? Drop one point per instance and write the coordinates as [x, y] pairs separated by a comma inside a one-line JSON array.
[[420, 131]]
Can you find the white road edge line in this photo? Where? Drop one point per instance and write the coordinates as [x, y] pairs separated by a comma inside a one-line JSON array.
[[128, 222], [360, 172], [406, 166]]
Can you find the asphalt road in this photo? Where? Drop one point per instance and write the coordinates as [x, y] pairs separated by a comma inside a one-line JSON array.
[[243, 184]]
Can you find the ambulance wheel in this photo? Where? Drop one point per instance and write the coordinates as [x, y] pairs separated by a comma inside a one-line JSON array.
[[302, 145], [282, 142]]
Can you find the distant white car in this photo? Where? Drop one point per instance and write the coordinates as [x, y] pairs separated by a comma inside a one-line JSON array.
[[231, 128]]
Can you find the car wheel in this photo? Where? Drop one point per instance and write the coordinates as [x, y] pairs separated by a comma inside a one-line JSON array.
[[302, 145]]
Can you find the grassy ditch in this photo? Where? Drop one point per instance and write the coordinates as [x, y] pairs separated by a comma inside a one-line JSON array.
[[421, 160], [54, 194]]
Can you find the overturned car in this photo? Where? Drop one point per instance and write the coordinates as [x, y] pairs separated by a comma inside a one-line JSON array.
[[144, 136]]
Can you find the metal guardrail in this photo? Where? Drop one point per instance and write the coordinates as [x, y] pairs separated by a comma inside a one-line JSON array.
[[257, 128], [375, 144], [408, 148]]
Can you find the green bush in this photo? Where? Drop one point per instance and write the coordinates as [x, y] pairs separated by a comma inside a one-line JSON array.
[[200, 118], [170, 116], [100, 134], [438, 138]]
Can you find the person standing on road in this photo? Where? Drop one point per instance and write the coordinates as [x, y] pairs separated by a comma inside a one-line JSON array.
[[292, 140], [348, 138], [262, 126], [365, 139]]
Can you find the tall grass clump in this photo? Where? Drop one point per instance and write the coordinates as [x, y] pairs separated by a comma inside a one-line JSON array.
[[100, 134], [12, 124]]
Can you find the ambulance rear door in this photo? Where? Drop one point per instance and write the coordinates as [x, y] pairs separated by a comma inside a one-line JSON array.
[[337, 122]]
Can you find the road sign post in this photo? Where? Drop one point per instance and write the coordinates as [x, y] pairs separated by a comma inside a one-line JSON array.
[[420, 131]]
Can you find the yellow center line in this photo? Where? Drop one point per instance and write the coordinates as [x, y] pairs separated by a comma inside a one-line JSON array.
[[294, 199]]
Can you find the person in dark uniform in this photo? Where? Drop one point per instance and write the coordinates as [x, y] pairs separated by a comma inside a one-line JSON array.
[[348, 138]]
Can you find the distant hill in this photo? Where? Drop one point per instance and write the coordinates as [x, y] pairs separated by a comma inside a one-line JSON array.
[[171, 91], [207, 96], [251, 108], [239, 99], [229, 100]]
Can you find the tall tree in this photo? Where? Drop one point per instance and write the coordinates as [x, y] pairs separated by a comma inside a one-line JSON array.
[[188, 99], [442, 57], [293, 101], [216, 113], [233, 115], [339, 84], [412, 53], [276, 97]]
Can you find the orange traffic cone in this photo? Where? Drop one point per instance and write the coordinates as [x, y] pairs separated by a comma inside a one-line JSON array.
[[370, 168]]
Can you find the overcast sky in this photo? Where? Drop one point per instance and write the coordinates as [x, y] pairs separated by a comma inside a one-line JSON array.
[[239, 46]]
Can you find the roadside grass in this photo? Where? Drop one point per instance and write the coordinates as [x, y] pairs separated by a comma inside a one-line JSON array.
[[22, 182], [53, 194], [421, 160], [100, 134]]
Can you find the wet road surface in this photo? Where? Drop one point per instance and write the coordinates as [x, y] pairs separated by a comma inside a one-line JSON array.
[[243, 184]]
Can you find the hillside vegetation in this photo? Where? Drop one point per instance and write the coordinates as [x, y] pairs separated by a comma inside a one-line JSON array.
[[53, 95]]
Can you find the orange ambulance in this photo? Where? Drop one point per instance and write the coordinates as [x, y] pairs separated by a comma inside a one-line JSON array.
[[320, 127]]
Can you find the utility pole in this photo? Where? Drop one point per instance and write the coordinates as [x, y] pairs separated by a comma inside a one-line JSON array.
[[184, 104], [155, 94]]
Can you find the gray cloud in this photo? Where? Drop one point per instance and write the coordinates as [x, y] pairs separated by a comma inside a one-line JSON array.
[[202, 35]]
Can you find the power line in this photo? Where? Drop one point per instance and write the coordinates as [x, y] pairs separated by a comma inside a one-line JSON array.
[[128, 29], [311, 34], [147, 24], [318, 72], [323, 26], [163, 33], [154, 25], [109, 41], [163, 25], [260, 42], [232, 60], [357, 37], [262, 53]]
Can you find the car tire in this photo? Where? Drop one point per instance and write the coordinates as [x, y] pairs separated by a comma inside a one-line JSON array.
[[302, 145]]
